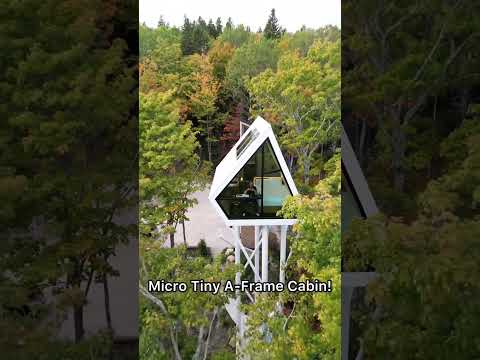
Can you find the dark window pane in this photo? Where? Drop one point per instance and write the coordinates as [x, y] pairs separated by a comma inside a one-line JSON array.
[[249, 138], [274, 189], [258, 190]]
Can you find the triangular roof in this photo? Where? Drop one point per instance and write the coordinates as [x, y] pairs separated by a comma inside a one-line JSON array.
[[356, 180], [257, 134]]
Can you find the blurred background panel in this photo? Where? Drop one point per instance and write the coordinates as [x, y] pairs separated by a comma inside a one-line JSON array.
[[410, 108], [69, 179]]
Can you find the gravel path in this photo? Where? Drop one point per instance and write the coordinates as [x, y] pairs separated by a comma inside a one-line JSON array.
[[205, 223]]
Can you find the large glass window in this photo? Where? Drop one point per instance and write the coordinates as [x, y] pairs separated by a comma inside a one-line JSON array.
[[258, 190]]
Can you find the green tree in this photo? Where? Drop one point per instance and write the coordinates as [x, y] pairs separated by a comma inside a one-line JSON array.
[[188, 46], [176, 325], [151, 38], [427, 264], [212, 29], [411, 62], [253, 57], [218, 26], [236, 36], [229, 24], [162, 67], [169, 166], [303, 97], [162, 22], [302, 40], [195, 37], [272, 29]]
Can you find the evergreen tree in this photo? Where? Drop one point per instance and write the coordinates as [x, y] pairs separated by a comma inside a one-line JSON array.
[[200, 40], [162, 22], [187, 37], [202, 23], [195, 37], [219, 26], [212, 30], [273, 30], [229, 24]]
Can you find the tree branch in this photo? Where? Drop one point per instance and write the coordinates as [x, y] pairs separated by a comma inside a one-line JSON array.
[[215, 311], [289, 317], [162, 307]]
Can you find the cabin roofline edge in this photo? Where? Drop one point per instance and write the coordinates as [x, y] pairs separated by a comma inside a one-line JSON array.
[[356, 178], [267, 133]]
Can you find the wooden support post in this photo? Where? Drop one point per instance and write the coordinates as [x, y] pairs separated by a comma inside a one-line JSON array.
[[283, 252], [257, 253], [265, 253]]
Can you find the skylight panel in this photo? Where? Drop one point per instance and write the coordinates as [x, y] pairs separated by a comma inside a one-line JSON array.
[[250, 136]]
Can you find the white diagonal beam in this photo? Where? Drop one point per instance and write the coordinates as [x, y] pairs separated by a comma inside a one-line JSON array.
[[249, 260]]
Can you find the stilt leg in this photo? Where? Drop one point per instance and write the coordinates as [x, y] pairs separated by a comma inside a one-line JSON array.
[[283, 252], [257, 253], [238, 253], [264, 253]]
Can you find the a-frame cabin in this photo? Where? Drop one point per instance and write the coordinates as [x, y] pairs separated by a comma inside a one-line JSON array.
[[253, 180], [249, 187]]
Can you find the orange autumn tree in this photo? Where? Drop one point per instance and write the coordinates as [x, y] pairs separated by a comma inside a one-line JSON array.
[[219, 56], [202, 99]]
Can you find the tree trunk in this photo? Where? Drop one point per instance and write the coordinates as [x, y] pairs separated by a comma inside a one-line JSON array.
[[200, 344], [108, 315], [306, 170], [209, 142], [175, 345], [171, 235], [184, 235], [214, 316], [78, 322], [106, 293], [398, 157], [74, 280], [291, 158], [209, 147]]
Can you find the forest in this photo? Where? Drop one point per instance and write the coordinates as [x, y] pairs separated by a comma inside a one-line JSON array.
[[198, 82], [410, 105]]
